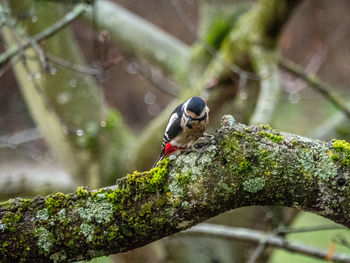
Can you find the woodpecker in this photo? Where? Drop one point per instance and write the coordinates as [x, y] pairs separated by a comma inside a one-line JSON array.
[[187, 124]]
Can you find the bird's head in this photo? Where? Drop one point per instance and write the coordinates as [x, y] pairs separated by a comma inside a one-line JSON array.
[[195, 109]]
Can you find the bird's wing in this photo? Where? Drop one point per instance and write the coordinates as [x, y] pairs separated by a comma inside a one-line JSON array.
[[173, 128]]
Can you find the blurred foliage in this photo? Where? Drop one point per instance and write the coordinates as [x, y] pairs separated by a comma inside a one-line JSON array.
[[114, 139]]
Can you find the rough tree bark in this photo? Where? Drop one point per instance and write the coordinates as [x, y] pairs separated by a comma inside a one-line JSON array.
[[240, 166]]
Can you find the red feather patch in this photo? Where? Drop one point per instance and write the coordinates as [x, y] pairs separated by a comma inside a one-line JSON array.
[[169, 148]]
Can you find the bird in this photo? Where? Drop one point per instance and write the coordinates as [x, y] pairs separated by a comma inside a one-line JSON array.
[[186, 125]]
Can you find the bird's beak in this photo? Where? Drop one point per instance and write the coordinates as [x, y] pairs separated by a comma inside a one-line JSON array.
[[188, 119]]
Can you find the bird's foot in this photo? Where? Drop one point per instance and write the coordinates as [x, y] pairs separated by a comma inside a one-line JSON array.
[[200, 147], [200, 152], [205, 140], [206, 135]]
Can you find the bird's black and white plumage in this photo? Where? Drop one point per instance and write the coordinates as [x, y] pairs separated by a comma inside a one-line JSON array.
[[187, 124]]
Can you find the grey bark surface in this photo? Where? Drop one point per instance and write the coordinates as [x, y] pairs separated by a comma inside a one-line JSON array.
[[240, 166]]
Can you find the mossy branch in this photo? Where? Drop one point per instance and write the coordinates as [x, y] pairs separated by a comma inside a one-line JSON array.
[[240, 166]]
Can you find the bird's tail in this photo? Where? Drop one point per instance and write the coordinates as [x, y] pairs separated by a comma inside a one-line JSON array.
[[161, 156]]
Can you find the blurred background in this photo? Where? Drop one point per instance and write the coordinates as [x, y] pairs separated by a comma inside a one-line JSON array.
[[90, 103]]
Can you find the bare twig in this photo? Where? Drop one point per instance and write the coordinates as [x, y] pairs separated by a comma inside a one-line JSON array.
[[317, 84], [72, 66], [46, 33], [13, 140], [293, 84], [46, 100], [156, 77], [328, 129], [256, 236], [290, 230], [5, 68], [257, 252], [341, 240], [9, 21]]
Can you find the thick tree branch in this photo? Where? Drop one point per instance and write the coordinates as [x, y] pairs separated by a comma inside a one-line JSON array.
[[240, 166]]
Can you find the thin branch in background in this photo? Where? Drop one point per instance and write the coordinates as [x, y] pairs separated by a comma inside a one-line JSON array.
[[41, 54], [294, 85], [328, 129], [72, 66], [292, 230], [18, 34], [21, 34], [5, 68], [315, 83], [104, 48], [33, 42], [18, 138], [255, 236], [46, 33], [216, 5], [341, 240], [154, 76], [193, 31], [191, 28], [258, 251], [105, 56], [32, 76], [108, 57]]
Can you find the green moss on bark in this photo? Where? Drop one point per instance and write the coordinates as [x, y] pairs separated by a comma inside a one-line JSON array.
[[341, 152], [238, 167], [273, 137], [254, 185]]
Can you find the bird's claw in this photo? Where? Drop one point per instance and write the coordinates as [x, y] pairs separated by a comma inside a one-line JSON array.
[[203, 141], [208, 135], [200, 152]]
